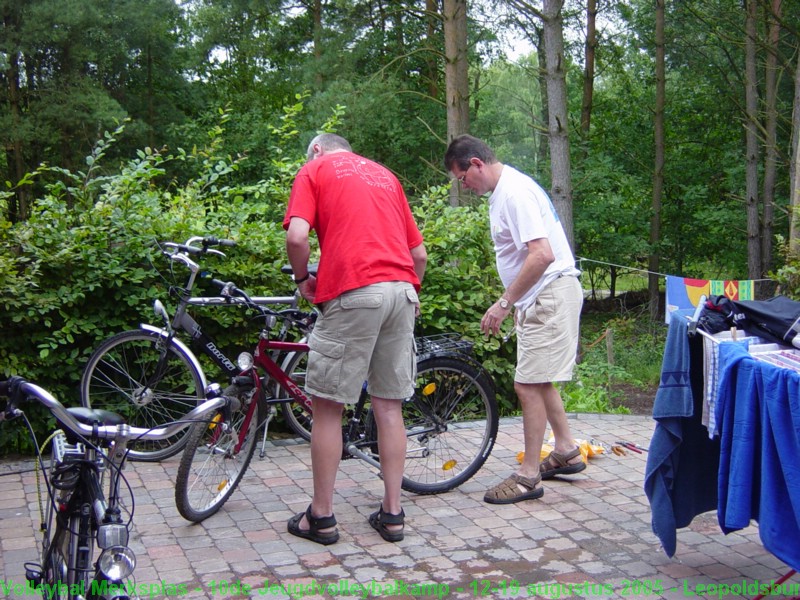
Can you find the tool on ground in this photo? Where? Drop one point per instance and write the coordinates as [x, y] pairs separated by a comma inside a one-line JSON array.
[[631, 446]]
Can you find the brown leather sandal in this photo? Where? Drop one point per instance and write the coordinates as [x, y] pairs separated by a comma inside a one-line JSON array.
[[558, 464], [508, 491]]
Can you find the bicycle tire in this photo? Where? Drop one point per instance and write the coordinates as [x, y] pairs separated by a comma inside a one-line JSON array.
[[296, 417], [116, 379], [451, 423], [211, 467]]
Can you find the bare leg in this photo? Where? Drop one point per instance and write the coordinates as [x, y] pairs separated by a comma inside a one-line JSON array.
[[392, 448], [326, 452], [541, 403]]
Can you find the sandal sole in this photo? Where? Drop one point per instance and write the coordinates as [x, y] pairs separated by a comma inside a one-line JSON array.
[[568, 470], [534, 494]]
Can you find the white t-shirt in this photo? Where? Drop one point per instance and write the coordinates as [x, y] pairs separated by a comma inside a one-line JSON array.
[[520, 211]]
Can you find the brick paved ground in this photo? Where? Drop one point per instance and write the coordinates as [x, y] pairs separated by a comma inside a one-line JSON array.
[[592, 530]]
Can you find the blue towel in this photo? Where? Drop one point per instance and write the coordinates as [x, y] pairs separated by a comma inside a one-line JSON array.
[[674, 394], [759, 476], [680, 477]]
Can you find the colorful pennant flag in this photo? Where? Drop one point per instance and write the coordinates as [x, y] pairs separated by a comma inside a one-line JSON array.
[[684, 292]]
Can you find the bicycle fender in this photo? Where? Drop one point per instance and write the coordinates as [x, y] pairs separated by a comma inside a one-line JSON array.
[[183, 348]]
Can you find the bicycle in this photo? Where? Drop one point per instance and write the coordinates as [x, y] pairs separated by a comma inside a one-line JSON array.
[[451, 420], [149, 375], [81, 518]]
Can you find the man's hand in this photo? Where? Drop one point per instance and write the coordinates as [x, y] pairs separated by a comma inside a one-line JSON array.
[[494, 317], [308, 289]]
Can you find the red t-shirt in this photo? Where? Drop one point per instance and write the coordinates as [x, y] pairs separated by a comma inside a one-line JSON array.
[[362, 219]]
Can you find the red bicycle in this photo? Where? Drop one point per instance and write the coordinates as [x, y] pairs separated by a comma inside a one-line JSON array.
[[451, 420]]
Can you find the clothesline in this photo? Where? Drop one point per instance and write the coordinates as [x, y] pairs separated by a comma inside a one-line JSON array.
[[645, 271]]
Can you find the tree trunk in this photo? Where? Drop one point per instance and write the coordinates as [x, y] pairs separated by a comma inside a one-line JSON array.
[[316, 12], [456, 73], [151, 108], [561, 184], [771, 127], [794, 168], [431, 10], [588, 71], [751, 134], [543, 149], [18, 208], [658, 168]]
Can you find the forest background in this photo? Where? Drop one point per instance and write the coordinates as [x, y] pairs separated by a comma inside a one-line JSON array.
[[666, 132]]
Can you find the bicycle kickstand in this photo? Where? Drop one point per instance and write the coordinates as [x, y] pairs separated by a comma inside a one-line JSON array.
[[265, 425]]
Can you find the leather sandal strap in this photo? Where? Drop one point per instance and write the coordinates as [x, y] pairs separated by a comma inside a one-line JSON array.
[[390, 519], [527, 481], [317, 523], [556, 460]]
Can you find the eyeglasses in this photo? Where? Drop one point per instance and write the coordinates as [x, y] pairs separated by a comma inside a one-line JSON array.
[[464, 176]]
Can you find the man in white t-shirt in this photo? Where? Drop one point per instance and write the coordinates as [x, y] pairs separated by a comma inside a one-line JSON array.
[[537, 268]]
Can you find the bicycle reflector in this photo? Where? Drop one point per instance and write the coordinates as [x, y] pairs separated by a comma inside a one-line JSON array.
[[117, 563], [429, 389]]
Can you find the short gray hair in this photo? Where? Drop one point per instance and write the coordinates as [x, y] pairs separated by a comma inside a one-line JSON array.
[[328, 142]]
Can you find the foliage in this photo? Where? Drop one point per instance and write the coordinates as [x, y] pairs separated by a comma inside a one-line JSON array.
[[461, 282], [788, 276], [85, 264], [634, 360]]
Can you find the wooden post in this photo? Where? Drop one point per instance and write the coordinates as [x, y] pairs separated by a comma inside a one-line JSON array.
[[610, 345]]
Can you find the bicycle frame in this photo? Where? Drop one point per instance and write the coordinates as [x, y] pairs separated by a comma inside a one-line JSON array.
[[182, 321]]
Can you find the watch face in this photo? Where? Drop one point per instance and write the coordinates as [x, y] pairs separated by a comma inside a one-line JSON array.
[[503, 303]]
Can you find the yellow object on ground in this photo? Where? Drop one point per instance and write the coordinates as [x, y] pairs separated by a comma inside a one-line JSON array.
[[587, 448]]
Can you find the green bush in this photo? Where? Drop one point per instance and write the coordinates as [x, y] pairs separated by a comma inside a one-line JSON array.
[[86, 264]]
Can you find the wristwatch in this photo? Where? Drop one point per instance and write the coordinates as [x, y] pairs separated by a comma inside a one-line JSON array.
[[503, 303]]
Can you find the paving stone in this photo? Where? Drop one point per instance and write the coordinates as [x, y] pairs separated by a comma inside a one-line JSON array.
[[591, 531]]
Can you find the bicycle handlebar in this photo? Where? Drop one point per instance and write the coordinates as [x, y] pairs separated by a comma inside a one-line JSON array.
[[190, 247], [17, 390], [228, 289]]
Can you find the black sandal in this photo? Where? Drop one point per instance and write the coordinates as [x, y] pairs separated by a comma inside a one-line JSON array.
[[313, 532], [379, 520]]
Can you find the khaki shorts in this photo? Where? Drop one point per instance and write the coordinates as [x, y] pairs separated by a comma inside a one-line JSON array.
[[365, 334], [547, 333]]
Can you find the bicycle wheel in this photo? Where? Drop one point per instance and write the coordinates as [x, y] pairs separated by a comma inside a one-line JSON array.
[[297, 418], [451, 423], [137, 376], [216, 458]]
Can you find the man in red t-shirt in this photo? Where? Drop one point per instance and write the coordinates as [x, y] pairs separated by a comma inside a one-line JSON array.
[[372, 261]]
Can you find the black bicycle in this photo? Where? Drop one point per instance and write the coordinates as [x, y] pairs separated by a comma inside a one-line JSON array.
[[89, 451], [150, 375]]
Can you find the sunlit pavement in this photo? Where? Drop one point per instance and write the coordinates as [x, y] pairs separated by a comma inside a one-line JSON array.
[[588, 537]]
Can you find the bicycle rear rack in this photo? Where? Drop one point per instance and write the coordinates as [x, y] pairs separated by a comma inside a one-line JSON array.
[[443, 342]]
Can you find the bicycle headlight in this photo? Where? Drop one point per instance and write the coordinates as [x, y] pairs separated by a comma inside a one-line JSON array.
[[117, 563], [245, 361], [110, 535]]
